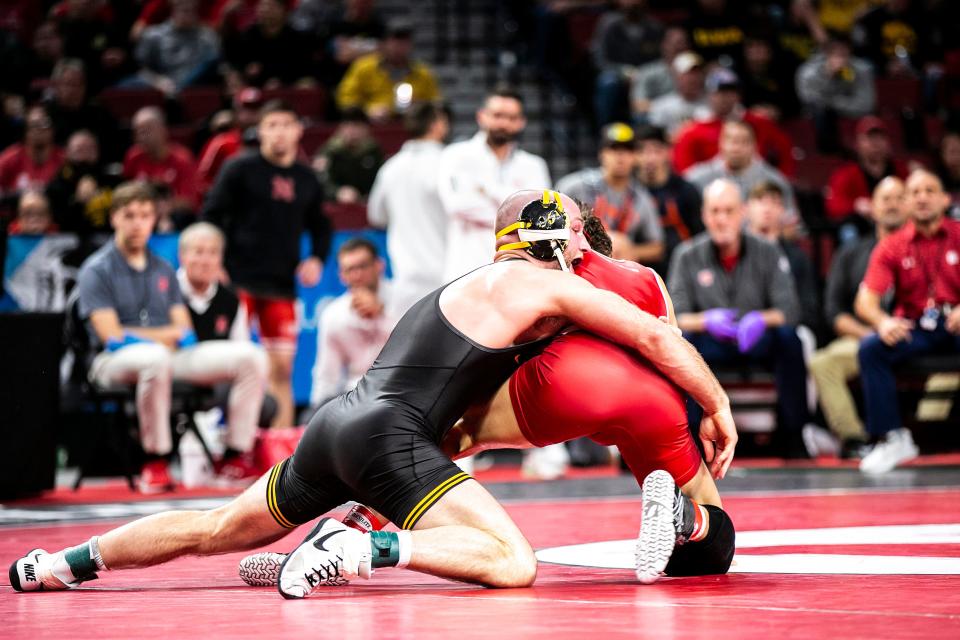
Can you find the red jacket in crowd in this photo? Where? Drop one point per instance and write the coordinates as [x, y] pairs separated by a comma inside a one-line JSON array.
[[18, 171], [178, 170], [218, 150], [699, 142], [848, 183]]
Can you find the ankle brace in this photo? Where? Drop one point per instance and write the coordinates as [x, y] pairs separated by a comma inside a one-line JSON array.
[[390, 549]]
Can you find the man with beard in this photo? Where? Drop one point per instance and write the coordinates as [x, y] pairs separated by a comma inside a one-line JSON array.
[[476, 175]]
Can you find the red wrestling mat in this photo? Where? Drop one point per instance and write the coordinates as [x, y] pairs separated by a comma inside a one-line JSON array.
[[203, 597]]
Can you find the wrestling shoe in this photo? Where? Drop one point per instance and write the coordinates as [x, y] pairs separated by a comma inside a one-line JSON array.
[[34, 572], [329, 556], [896, 448], [261, 569], [669, 519]]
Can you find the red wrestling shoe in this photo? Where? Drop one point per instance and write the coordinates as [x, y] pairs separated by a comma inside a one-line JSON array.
[[155, 477]]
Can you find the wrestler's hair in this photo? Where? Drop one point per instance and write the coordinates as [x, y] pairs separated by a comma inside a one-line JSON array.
[[595, 232]]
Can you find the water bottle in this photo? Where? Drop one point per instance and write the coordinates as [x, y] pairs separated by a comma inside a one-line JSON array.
[[194, 466]]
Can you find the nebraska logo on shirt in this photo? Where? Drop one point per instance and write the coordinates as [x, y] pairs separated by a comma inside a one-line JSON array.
[[283, 189], [705, 277], [908, 262], [220, 325], [952, 257], [163, 283]]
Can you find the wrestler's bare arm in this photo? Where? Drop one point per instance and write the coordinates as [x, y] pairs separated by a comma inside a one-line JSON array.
[[615, 319]]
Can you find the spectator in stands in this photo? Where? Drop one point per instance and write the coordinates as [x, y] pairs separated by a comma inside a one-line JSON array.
[[264, 202], [269, 53], [387, 82], [178, 53], [476, 175], [767, 217], [768, 86], [833, 83], [43, 56], [836, 364], [623, 41], [688, 100], [354, 33], [156, 158], [894, 37], [948, 167], [849, 187], [736, 302], [348, 163], [678, 201], [33, 163], [714, 28], [738, 162], [225, 347], [355, 326], [81, 192], [223, 146], [69, 108], [405, 200], [655, 79], [618, 199], [33, 216], [921, 264], [92, 33], [699, 141], [800, 33]]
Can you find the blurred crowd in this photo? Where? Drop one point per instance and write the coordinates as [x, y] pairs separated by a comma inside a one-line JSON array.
[[734, 142]]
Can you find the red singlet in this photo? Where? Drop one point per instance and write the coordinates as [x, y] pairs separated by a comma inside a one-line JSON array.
[[582, 385]]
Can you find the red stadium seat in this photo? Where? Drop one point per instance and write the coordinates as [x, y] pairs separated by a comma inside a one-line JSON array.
[[314, 137], [896, 94], [123, 103], [200, 102], [346, 216], [308, 101], [390, 137], [813, 173]]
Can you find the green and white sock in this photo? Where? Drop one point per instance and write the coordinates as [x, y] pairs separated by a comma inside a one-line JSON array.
[[79, 562]]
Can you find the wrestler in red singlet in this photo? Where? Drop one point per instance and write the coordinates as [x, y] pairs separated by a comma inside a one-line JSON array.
[[582, 385]]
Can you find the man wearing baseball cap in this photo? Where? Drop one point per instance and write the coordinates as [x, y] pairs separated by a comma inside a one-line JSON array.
[[850, 185], [688, 100], [225, 145], [699, 141], [624, 206]]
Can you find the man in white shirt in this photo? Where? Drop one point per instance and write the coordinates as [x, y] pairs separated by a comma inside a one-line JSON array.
[[404, 199], [356, 325], [224, 352], [688, 100], [476, 175]]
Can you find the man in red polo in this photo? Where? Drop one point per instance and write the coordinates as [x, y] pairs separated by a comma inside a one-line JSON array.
[[920, 263], [157, 159]]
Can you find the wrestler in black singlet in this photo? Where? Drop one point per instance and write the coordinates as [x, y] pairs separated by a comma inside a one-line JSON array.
[[378, 444]]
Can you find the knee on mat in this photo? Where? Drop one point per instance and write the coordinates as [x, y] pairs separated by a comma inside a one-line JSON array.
[[521, 568]]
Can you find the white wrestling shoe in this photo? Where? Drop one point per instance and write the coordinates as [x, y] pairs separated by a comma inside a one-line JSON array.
[[329, 556], [546, 463], [261, 569], [668, 520], [34, 572]]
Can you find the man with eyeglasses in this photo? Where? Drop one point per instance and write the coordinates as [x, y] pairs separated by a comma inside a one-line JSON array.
[[354, 326], [31, 164]]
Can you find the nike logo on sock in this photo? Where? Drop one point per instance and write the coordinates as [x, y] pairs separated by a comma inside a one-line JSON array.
[[319, 543]]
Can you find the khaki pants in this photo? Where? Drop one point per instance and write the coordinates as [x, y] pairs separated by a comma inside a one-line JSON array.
[[153, 368], [832, 367]]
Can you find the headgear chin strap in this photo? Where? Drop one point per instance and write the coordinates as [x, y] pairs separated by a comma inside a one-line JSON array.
[[543, 228]]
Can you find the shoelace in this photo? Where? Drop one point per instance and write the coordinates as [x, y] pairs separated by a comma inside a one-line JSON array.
[[678, 518], [328, 573]]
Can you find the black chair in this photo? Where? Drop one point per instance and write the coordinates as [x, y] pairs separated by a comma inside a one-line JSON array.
[[112, 410]]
